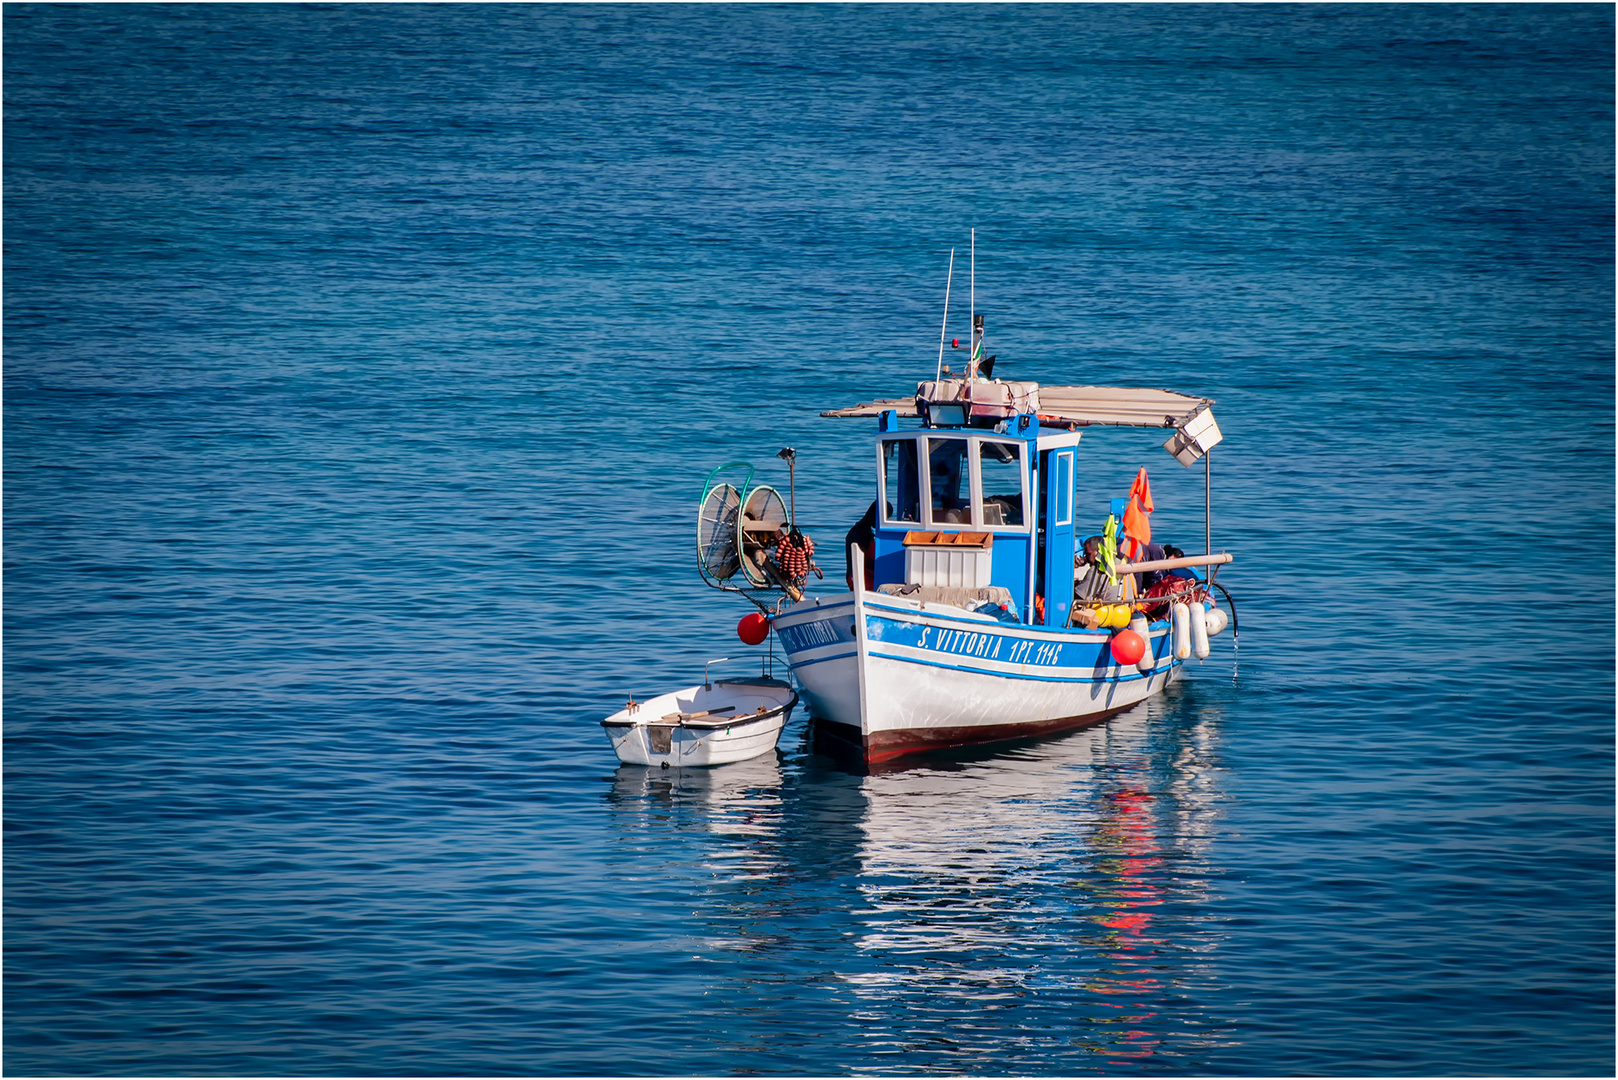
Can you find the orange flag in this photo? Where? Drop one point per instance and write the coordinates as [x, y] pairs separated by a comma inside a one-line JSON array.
[[1136, 527], [1142, 490]]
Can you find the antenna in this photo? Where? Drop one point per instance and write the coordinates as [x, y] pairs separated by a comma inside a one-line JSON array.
[[942, 330], [974, 301]]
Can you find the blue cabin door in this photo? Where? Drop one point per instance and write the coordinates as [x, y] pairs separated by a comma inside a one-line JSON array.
[[1056, 473]]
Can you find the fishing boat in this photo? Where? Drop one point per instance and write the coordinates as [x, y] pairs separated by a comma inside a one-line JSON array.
[[962, 624], [713, 723]]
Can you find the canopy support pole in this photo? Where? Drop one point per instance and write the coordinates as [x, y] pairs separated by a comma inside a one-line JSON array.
[[1207, 502]]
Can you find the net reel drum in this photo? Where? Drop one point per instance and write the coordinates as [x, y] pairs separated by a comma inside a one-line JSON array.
[[736, 523]]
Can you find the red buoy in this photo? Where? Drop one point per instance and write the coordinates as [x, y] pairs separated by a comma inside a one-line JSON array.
[[754, 628], [1128, 647]]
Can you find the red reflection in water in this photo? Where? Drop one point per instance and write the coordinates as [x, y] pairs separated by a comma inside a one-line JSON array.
[[1127, 834]]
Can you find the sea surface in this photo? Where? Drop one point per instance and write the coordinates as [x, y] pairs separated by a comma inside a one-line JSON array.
[[363, 366]]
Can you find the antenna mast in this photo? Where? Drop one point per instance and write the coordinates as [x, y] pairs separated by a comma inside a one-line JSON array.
[[977, 320], [942, 330]]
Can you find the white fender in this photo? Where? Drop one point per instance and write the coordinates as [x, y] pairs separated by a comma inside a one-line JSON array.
[[1180, 621], [1217, 620], [1148, 661], [1199, 630]]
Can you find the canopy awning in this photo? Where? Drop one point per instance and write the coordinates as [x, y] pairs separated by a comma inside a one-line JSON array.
[[1118, 406]]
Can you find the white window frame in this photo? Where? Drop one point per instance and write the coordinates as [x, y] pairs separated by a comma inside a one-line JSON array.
[[922, 508], [974, 457], [972, 500], [1064, 459], [1023, 455]]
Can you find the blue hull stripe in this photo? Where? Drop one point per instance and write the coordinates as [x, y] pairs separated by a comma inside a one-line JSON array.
[[797, 665], [1026, 653], [1111, 675]]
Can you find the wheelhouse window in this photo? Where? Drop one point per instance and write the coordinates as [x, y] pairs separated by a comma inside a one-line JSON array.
[[901, 484], [1000, 466], [949, 478]]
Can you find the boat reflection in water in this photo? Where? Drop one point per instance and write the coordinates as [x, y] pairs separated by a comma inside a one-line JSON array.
[[737, 805], [1063, 877], [1049, 902]]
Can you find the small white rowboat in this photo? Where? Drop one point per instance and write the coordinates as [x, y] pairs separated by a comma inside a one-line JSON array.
[[711, 724]]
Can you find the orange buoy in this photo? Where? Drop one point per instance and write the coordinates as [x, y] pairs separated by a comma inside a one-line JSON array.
[[754, 628], [1128, 647]]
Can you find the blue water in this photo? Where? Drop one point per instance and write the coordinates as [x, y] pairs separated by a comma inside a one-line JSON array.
[[362, 368]]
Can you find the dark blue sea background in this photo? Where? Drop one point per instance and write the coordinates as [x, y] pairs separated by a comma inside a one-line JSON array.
[[363, 367]]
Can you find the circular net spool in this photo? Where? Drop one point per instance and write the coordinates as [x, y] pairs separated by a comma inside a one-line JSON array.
[[760, 519], [717, 553]]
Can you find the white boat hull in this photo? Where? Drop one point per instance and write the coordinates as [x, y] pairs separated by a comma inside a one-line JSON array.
[[712, 724], [930, 677]]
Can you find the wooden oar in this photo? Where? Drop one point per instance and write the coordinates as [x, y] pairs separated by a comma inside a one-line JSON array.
[[683, 716]]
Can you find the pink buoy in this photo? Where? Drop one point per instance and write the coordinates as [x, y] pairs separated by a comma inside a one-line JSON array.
[[753, 629], [1128, 647]]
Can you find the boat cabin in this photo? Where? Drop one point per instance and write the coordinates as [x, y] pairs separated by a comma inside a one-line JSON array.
[[976, 497], [967, 508]]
